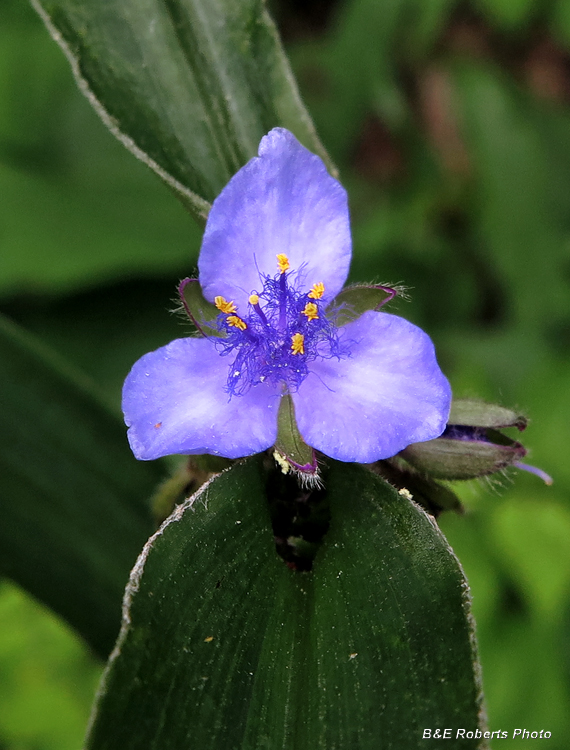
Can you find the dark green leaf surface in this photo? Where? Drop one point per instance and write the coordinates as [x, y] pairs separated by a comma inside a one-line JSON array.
[[188, 86], [72, 498], [223, 646]]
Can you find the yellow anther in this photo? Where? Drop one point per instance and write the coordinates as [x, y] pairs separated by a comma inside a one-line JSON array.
[[311, 311], [298, 343], [254, 299], [236, 322], [283, 262], [317, 290], [223, 305]]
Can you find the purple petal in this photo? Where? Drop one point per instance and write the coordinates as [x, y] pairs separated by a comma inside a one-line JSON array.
[[389, 393], [283, 201], [546, 478], [174, 402]]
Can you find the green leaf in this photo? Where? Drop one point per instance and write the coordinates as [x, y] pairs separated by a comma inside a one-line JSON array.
[[431, 495], [223, 646], [73, 512], [77, 208], [189, 87]]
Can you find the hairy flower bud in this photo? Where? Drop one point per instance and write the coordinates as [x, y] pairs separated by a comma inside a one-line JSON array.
[[471, 445]]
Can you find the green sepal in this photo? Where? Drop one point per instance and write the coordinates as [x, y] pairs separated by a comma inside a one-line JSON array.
[[293, 452], [355, 300], [452, 459], [473, 413], [202, 313]]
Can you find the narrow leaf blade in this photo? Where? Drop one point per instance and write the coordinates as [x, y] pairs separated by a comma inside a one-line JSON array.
[[189, 87], [72, 513]]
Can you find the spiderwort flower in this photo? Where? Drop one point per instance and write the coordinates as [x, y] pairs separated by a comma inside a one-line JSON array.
[[276, 252]]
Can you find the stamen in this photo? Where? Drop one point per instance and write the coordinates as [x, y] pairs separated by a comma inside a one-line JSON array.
[[223, 305], [283, 294], [317, 290], [311, 311], [298, 343], [279, 334], [283, 262], [254, 302], [236, 322]]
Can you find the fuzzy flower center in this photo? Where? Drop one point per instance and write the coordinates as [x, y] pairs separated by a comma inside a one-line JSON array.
[[282, 331]]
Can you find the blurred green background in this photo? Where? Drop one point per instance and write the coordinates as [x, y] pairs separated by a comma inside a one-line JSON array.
[[450, 124]]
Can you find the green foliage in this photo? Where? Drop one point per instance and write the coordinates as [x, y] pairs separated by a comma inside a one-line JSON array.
[[73, 515], [450, 127], [48, 678], [508, 13], [78, 210], [189, 87], [224, 646]]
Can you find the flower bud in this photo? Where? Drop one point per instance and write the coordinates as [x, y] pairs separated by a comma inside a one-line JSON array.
[[471, 445], [464, 452]]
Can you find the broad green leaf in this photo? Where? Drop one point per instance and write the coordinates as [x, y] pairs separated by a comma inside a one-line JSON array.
[[188, 86], [73, 513], [223, 646]]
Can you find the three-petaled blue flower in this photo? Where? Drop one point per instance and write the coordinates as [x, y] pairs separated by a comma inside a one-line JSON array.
[[276, 251]]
